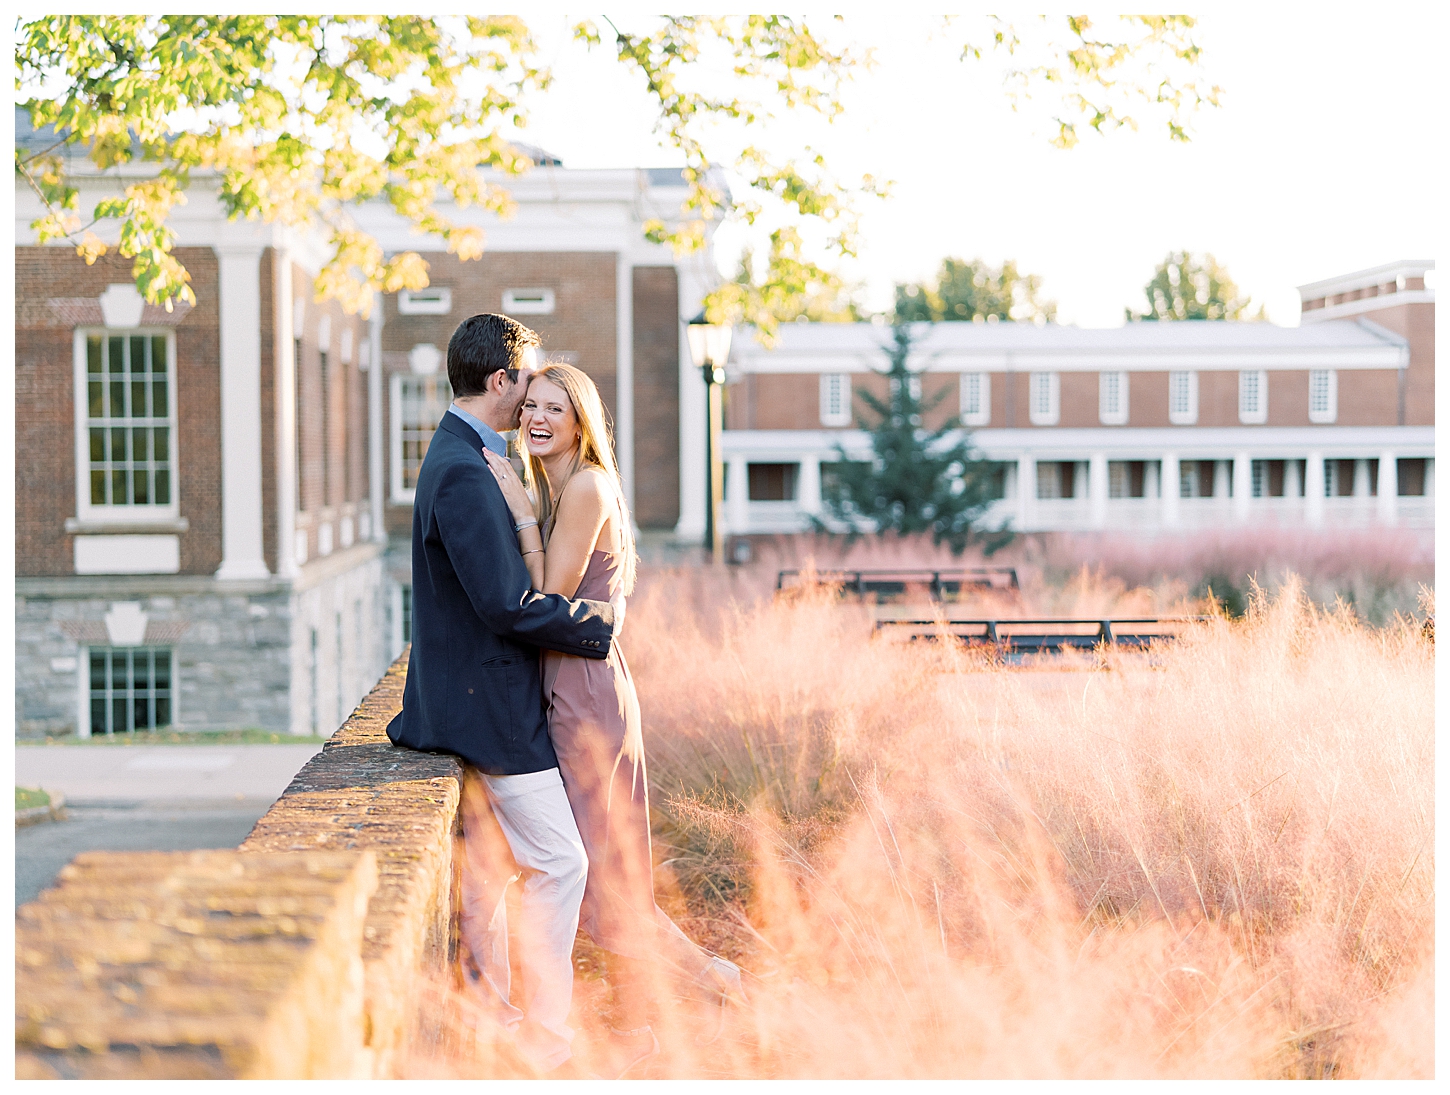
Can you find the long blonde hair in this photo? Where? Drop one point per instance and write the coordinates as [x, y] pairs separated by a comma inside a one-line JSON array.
[[596, 449]]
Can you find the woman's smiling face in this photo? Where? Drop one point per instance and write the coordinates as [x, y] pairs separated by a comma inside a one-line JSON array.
[[549, 425]]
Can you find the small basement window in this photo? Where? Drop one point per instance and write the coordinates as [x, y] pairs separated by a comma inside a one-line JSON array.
[[436, 300], [130, 689], [528, 302]]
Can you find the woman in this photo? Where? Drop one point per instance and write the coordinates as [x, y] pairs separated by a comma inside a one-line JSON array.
[[576, 539]]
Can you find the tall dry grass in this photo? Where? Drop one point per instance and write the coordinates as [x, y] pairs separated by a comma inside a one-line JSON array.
[[1218, 864]]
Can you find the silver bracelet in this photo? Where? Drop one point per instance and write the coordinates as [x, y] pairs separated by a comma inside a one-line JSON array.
[[530, 523]]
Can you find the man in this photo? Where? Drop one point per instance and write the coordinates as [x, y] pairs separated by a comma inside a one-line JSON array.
[[473, 689]]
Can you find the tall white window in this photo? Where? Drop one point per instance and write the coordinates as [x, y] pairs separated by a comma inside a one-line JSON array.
[[1253, 397], [418, 403], [1183, 398], [125, 426], [1113, 398], [1323, 395], [835, 399], [1044, 393], [976, 399]]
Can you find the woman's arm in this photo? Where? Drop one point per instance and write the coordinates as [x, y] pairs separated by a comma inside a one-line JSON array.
[[531, 542], [583, 509]]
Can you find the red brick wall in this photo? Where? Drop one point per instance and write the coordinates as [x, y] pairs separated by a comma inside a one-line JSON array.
[[1415, 322], [656, 293], [583, 322], [345, 481], [45, 477], [1148, 399]]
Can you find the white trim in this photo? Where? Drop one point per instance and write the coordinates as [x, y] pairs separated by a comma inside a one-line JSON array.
[[1255, 412], [983, 414], [1114, 413], [1331, 411], [835, 401], [103, 515], [1047, 384], [1188, 416]]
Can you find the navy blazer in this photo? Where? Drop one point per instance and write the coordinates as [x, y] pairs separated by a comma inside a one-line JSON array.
[[473, 687]]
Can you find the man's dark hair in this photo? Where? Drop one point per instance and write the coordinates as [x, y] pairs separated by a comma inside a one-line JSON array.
[[481, 346]]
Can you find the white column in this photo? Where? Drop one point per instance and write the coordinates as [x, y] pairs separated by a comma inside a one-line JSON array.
[[1387, 489], [808, 486], [284, 393], [1243, 490], [737, 495], [1026, 490], [691, 526], [1098, 490], [1292, 487], [1430, 480], [241, 412], [1314, 490], [1169, 480], [377, 441], [1361, 478], [624, 373], [1152, 488]]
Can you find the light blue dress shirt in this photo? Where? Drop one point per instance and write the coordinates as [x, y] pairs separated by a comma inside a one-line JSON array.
[[490, 437]]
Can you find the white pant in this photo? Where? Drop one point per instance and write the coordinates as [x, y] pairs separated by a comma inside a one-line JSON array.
[[538, 827]]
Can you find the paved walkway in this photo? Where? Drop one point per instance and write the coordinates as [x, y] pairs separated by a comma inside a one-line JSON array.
[[157, 798], [151, 773]]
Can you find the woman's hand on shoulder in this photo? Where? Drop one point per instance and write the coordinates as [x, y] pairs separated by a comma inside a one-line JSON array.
[[511, 486]]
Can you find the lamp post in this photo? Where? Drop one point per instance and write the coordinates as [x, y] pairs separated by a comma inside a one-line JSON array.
[[710, 349]]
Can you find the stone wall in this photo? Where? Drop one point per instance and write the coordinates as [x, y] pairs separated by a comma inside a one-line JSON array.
[[249, 963], [231, 644]]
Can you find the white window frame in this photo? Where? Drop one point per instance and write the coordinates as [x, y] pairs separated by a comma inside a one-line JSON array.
[[1189, 416], [1257, 414], [1113, 413], [528, 302], [86, 512], [835, 399], [983, 413], [1050, 385], [435, 300], [1331, 382], [399, 494]]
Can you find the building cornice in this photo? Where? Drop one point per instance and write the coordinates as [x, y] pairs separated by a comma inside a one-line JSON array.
[[1364, 279]]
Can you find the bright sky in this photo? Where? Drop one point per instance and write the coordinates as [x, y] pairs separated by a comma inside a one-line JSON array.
[[1324, 159]]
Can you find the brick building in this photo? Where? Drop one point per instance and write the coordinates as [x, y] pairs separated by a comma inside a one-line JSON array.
[[1146, 427], [213, 504]]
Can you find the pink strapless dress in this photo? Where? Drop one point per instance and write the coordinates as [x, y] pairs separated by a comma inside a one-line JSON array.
[[594, 723]]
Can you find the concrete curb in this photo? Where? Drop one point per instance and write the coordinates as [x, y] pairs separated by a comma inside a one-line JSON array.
[[55, 811]]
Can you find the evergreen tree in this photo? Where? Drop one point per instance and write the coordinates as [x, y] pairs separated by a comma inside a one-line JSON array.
[[918, 480]]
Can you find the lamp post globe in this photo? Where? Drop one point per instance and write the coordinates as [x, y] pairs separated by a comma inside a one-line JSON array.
[[710, 350]]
